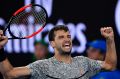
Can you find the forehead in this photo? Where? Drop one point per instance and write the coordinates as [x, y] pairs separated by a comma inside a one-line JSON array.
[[61, 32]]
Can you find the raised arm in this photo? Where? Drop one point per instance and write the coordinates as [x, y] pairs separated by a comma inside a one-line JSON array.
[[7, 70], [111, 57]]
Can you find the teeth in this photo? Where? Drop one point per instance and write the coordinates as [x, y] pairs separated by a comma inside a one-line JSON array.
[[67, 44], [67, 47]]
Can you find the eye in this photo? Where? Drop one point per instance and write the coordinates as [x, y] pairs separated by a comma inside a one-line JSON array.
[[60, 37], [69, 36]]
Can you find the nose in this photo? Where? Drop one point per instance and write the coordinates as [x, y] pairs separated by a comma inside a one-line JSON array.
[[67, 39]]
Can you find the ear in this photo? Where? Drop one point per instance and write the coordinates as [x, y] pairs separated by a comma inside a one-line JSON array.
[[52, 44]]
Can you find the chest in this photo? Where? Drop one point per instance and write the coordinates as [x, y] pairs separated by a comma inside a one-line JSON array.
[[62, 70]]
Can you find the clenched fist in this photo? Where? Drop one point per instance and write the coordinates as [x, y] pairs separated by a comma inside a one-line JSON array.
[[3, 39], [107, 32]]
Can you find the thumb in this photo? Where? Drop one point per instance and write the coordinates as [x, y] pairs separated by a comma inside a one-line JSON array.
[[3, 41]]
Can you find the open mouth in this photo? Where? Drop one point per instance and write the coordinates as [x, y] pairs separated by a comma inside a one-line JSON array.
[[67, 45]]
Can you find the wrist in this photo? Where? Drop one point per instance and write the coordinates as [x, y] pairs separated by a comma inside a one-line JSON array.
[[110, 38], [2, 55]]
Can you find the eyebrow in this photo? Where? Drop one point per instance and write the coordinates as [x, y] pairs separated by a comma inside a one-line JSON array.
[[63, 35], [68, 35]]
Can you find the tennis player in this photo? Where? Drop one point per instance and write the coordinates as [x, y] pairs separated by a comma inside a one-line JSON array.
[[61, 65]]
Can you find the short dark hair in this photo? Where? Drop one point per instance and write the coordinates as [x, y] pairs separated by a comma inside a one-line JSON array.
[[56, 28]]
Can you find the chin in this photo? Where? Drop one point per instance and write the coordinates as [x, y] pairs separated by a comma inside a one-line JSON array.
[[66, 52]]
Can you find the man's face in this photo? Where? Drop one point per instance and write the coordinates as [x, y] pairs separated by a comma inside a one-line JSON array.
[[40, 51], [63, 42], [94, 53]]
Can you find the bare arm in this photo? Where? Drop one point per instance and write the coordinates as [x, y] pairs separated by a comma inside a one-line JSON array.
[[6, 68], [17, 72], [9, 72], [111, 57]]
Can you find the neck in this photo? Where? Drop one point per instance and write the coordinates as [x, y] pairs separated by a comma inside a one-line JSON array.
[[63, 58]]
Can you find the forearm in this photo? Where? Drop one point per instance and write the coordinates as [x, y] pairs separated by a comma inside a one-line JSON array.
[[5, 66], [18, 72], [8, 71], [111, 57], [11, 73]]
